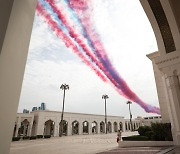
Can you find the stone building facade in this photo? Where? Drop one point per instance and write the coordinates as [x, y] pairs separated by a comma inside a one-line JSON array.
[[44, 122], [147, 121]]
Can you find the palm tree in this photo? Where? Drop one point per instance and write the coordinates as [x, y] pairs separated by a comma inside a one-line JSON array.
[[105, 97], [129, 102], [63, 87]]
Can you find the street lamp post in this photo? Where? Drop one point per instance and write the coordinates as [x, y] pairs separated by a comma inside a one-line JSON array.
[[105, 97], [64, 87], [129, 102]]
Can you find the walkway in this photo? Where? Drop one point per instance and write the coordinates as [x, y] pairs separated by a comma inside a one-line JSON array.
[[80, 144]]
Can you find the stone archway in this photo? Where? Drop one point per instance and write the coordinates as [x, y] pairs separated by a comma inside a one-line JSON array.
[[64, 128], [75, 127], [109, 127], [102, 127], [115, 126], [85, 127], [94, 127], [49, 127], [121, 126], [24, 128]]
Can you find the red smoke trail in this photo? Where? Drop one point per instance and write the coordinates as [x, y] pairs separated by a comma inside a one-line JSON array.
[[74, 34], [77, 38], [54, 27], [78, 6], [82, 10], [127, 92]]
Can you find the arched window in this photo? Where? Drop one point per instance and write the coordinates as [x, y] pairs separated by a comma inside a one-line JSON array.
[[94, 127], [121, 126], [109, 127], [24, 129], [102, 127], [63, 127], [85, 127], [75, 127], [115, 126], [49, 127]]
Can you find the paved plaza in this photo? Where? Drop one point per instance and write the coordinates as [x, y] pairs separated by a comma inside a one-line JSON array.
[[79, 144]]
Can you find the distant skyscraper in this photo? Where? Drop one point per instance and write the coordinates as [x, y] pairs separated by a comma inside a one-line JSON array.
[[43, 106], [25, 111], [34, 108]]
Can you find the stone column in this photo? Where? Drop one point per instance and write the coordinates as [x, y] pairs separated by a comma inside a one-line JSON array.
[[56, 129], [40, 129], [90, 128], [123, 126], [98, 128], [69, 133], [172, 82], [80, 128], [112, 128], [16, 20]]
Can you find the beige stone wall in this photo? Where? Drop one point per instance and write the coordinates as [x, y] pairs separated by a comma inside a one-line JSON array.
[[147, 121], [41, 116]]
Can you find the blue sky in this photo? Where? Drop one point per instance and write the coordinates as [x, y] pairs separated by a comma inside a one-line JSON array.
[[127, 37]]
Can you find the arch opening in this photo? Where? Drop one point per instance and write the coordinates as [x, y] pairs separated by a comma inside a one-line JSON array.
[[49, 127], [94, 127], [85, 127], [24, 128], [115, 126], [63, 127], [75, 127], [109, 127], [102, 127]]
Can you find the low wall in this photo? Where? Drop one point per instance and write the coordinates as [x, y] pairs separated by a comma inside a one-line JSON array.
[[144, 143]]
